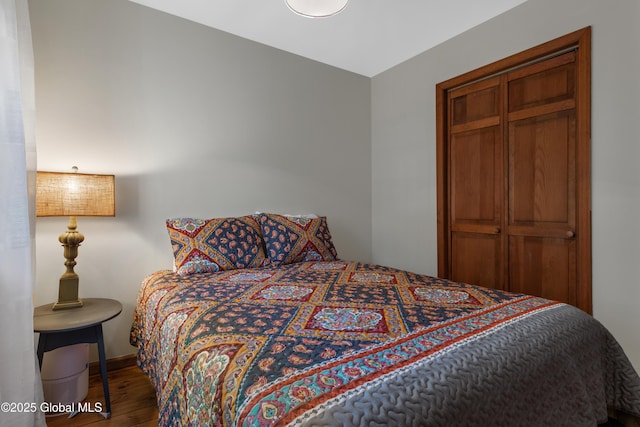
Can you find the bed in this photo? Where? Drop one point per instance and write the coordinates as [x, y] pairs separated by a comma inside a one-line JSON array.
[[260, 323]]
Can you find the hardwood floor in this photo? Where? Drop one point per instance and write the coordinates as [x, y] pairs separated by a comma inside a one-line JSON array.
[[133, 401]]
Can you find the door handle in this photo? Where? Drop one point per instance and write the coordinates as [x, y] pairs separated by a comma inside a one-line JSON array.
[[570, 234]]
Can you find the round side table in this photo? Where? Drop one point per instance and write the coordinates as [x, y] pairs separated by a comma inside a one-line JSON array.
[[80, 325]]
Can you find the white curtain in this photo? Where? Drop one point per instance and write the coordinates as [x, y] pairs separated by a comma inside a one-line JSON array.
[[19, 377]]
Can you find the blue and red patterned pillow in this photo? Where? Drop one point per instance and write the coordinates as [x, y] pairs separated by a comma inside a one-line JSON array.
[[207, 245], [295, 239]]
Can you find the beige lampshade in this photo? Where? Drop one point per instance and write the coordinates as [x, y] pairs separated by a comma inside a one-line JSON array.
[[74, 194]]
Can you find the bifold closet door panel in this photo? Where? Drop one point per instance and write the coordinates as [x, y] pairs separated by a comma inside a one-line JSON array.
[[477, 184]]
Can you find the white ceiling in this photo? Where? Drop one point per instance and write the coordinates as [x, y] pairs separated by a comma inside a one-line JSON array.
[[368, 37]]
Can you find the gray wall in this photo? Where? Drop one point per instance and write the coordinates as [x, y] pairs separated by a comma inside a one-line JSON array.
[[193, 122], [403, 144]]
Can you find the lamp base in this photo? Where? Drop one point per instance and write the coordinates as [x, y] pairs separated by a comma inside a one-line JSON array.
[[68, 293], [63, 305]]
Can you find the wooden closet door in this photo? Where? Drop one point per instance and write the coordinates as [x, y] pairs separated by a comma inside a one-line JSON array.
[[513, 157], [476, 189], [542, 179]]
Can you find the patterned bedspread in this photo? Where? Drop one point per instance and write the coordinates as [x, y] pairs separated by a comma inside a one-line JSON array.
[[346, 343]]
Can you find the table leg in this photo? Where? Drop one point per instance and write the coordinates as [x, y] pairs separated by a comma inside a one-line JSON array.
[[103, 370], [42, 343]]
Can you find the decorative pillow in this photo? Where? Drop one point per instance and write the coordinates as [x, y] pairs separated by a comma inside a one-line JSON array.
[[205, 245], [296, 239]]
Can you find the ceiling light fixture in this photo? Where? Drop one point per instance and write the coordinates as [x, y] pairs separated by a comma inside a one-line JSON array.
[[317, 8]]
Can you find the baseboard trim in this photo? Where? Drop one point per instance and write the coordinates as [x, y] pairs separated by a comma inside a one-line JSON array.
[[113, 364]]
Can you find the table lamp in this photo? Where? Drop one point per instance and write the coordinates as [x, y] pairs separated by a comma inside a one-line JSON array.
[[73, 194]]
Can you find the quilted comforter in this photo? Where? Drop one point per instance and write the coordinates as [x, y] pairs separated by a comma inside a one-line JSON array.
[[345, 343]]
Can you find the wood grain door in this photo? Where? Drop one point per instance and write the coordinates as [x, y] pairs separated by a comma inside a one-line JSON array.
[[477, 183], [514, 173], [542, 179]]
